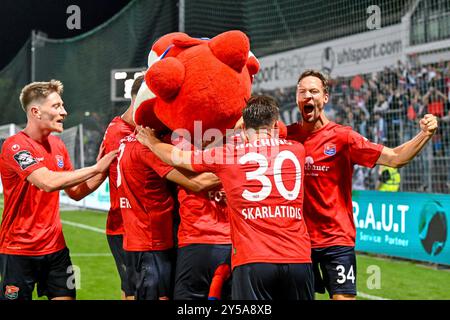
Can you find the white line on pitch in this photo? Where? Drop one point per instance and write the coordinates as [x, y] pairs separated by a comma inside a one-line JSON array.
[[83, 226], [370, 297]]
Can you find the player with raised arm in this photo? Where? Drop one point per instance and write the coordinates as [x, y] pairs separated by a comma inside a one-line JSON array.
[[332, 150]]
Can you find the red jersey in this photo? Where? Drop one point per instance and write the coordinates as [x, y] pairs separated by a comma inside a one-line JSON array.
[[31, 224], [204, 217], [116, 131], [145, 201], [331, 153], [263, 181]]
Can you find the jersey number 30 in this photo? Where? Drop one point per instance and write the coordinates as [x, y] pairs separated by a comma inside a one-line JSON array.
[[259, 174]]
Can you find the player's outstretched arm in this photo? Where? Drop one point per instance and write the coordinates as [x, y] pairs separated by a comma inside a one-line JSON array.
[[401, 155], [166, 152], [193, 182], [50, 181], [81, 190]]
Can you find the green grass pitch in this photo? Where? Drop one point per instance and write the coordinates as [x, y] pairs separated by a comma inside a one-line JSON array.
[[98, 278]]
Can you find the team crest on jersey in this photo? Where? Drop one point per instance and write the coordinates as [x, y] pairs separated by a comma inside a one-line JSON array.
[[329, 149], [24, 159], [11, 292], [60, 161]]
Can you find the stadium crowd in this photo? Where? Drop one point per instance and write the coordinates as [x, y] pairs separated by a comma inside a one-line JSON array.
[[385, 107]]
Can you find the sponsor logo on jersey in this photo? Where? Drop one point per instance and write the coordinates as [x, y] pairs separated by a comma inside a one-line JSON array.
[[60, 161], [24, 159], [311, 168], [11, 292], [15, 147], [124, 203], [329, 149], [216, 196]]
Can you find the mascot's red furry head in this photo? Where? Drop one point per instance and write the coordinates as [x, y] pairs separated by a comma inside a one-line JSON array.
[[192, 79]]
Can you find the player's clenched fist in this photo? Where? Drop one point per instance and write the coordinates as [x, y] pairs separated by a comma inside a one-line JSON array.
[[429, 124]]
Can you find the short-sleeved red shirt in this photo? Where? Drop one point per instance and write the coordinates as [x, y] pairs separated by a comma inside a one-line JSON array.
[[116, 131], [145, 201], [203, 217], [263, 182], [331, 153], [31, 223]]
